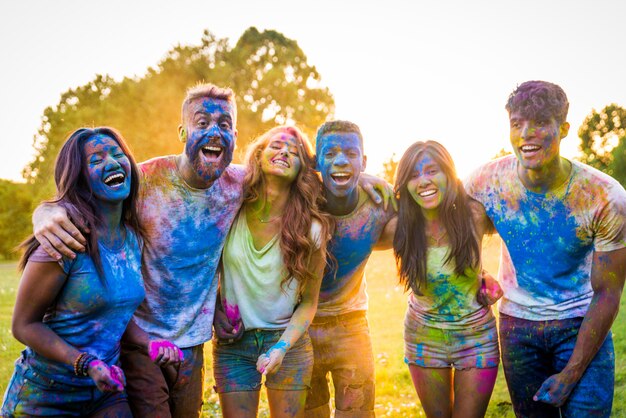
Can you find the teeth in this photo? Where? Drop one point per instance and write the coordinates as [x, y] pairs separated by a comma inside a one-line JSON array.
[[527, 148], [427, 193], [341, 174], [112, 177], [212, 149], [280, 162]]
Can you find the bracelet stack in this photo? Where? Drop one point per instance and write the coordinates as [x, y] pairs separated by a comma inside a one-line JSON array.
[[81, 364]]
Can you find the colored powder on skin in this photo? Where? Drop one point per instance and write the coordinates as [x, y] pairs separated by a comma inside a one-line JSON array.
[[233, 315], [154, 349]]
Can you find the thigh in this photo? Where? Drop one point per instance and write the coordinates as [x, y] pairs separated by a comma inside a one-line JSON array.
[[239, 404], [434, 389], [593, 395], [286, 403], [186, 391], [527, 363], [472, 391], [112, 405], [146, 384]]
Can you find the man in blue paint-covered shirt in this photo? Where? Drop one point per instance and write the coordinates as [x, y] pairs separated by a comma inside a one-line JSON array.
[[563, 264], [340, 332]]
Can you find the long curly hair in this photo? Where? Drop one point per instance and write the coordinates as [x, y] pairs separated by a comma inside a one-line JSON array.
[[410, 242], [74, 192], [305, 199]]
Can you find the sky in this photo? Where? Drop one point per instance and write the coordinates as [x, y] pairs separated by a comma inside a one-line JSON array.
[[403, 70]]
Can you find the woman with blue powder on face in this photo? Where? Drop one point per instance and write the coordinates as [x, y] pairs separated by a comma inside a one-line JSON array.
[[451, 341], [272, 268], [72, 313]]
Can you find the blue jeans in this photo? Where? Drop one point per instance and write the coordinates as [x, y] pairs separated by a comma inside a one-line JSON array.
[[532, 351]]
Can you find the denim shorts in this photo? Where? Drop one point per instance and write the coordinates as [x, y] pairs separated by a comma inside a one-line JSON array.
[[473, 347], [30, 393], [234, 365]]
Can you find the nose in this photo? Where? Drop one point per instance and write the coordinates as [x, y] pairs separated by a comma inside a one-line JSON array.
[[340, 159], [527, 130], [214, 130], [111, 163]]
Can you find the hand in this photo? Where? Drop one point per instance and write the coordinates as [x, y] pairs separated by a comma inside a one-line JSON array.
[[556, 389], [490, 291], [107, 379], [224, 329], [164, 353], [56, 233], [376, 187], [270, 362]]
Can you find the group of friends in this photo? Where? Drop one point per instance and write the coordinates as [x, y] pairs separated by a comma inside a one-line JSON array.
[[132, 268]]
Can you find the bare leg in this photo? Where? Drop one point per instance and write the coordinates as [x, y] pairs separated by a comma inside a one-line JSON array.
[[286, 403], [434, 388], [240, 404], [472, 391]]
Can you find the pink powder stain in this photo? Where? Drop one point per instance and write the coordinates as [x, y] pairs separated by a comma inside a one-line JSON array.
[[154, 349], [233, 315]]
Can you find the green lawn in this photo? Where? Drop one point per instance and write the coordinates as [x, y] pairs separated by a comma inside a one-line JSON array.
[[395, 396]]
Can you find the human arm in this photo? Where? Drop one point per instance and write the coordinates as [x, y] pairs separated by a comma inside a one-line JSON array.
[[378, 190], [302, 317], [161, 352], [39, 287], [56, 233], [607, 280], [385, 241]]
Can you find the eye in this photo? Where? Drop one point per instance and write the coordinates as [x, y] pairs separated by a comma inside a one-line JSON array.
[[294, 153], [202, 123], [95, 161], [225, 125]]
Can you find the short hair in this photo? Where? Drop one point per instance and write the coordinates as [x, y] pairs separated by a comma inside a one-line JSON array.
[[539, 100], [210, 91], [336, 126]]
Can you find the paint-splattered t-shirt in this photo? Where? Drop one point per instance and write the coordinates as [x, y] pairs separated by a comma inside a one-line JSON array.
[[449, 300], [186, 229], [550, 238], [344, 288], [251, 284], [88, 315]]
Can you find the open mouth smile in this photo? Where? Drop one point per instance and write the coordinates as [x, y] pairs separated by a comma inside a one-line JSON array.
[[427, 193], [529, 148], [280, 162], [115, 179], [341, 178]]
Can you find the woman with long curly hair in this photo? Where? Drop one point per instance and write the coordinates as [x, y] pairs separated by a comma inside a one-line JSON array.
[[451, 341], [273, 261], [71, 313]]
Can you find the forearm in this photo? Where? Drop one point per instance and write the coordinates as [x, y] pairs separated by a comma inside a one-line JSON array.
[[299, 323], [45, 342], [593, 331]]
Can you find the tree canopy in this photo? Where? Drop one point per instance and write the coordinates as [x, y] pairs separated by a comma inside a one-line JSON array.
[[268, 72], [603, 141]]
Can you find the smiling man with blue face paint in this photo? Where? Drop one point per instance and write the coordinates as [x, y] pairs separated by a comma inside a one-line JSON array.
[[340, 332], [563, 265], [187, 204]]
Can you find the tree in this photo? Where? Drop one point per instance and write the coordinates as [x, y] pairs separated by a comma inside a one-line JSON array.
[[269, 73], [389, 169], [501, 153], [603, 141], [15, 209]]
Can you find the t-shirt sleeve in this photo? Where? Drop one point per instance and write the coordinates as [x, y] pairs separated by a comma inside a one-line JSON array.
[[472, 185], [610, 233], [316, 233], [41, 256]]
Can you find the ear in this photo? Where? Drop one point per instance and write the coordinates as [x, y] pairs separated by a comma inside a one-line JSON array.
[[564, 129], [182, 134], [364, 163], [235, 136]]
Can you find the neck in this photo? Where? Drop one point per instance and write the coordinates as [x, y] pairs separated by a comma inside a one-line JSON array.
[[189, 175], [547, 178], [110, 230], [341, 205], [273, 202]]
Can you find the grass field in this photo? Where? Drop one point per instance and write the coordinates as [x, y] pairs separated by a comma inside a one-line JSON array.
[[395, 396]]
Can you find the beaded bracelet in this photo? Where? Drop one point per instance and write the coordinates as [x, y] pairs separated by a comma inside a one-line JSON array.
[[81, 364]]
